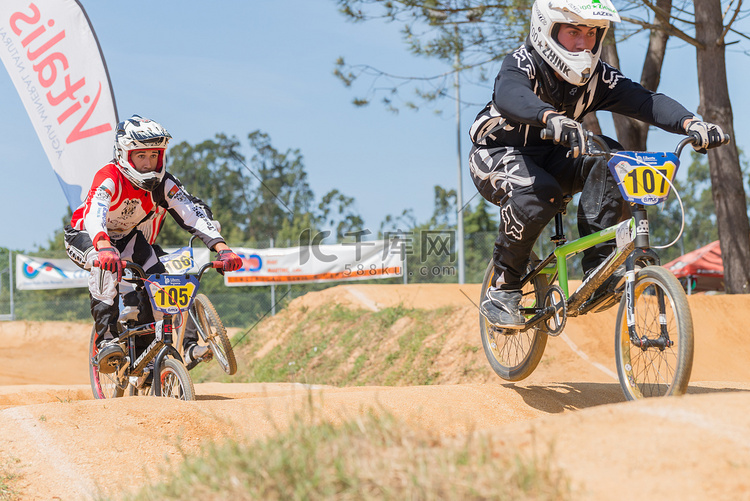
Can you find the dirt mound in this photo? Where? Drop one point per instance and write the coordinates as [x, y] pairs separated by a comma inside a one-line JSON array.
[[44, 352], [694, 447]]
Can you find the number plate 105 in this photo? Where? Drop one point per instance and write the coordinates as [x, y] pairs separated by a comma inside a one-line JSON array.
[[172, 293]]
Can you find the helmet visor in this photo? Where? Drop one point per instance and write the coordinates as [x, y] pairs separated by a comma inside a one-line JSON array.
[[146, 161], [578, 37]]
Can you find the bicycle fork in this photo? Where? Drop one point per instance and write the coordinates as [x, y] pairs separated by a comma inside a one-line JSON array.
[[166, 349], [643, 254]]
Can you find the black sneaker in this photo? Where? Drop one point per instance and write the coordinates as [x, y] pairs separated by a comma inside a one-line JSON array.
[[109, 355], [500, 308], [195, 354]]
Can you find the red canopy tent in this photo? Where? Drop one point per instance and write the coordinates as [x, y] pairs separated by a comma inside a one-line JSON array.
[[700, 270]]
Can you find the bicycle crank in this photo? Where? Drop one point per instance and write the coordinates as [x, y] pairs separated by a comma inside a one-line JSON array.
[[554, 302]]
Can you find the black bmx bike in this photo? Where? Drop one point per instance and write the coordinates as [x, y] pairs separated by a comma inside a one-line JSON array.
[[174, 297]]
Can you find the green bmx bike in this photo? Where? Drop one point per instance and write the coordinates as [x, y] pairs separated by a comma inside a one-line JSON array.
[[654, 328]]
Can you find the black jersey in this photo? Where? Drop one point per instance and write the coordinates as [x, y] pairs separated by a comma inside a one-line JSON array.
[[526, 87]]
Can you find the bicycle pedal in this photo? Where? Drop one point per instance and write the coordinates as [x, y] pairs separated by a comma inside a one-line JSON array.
[[109, 358], [503, 331]]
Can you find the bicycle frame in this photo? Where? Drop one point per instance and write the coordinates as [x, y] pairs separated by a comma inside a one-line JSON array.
[[163, 345], [632, 247], [563, 251]]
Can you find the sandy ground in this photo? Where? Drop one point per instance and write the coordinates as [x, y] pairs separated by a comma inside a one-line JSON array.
[[691, 447]]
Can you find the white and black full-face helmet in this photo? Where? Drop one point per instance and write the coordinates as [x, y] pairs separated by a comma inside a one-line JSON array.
[[137, 133], [546, 18]]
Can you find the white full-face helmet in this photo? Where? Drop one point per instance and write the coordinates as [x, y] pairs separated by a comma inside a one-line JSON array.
[[546, 18], [137, 133]]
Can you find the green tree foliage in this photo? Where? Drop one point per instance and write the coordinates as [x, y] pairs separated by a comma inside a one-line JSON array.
[[700, 215], [212, 171], [480, 219], [256, 200], [283, 193], [444, 213]]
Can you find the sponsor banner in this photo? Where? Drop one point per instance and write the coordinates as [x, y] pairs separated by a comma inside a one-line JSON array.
[[36, 273], [53, 58], [318, 263]]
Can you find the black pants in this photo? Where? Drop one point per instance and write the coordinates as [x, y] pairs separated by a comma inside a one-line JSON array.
[[528, 184]]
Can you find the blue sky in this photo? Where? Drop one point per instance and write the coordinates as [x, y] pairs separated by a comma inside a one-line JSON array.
[[238, 66]]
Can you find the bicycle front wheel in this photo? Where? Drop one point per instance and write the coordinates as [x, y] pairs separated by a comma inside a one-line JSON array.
[[175, 381], [213, 332], [102, 385], [658, 360], [514, 354]]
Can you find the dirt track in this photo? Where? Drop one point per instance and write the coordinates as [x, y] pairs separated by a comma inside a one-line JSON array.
[[694, 447]]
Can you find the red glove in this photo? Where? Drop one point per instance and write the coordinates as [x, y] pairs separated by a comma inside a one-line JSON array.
[[231, 260], [109, 259]]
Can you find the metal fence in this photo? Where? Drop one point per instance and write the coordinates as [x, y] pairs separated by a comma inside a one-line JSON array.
[[431, 257]]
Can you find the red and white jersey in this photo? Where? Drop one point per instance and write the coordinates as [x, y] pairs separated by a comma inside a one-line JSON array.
[[114, 207]]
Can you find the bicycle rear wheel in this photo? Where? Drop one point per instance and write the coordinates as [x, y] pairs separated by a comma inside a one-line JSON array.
[[662, 316], [175, 381], [102, 385], [213, 332], [513, 354]]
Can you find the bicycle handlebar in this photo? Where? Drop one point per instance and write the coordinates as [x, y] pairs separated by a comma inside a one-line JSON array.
[[605, 150], [138, 269]]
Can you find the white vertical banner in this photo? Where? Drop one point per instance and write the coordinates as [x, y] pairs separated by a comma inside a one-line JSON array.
[[53, 58]]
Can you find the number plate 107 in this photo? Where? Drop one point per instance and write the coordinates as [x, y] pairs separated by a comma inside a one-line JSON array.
[[644, 178]]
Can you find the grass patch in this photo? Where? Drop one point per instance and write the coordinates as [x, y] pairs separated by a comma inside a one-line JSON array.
[[372, 458], [8, 474], [336, 345], [386, 317]]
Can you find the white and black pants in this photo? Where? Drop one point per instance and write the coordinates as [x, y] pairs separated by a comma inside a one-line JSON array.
[[133, 247]]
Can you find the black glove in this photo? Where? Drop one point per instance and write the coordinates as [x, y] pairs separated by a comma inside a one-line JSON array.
[[109, 260], [706, 135], [567, 132], [231, 260]]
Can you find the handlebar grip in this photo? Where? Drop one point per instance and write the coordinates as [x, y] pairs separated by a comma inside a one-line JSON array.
[[694, 140], [546, 134], [217, 264]]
